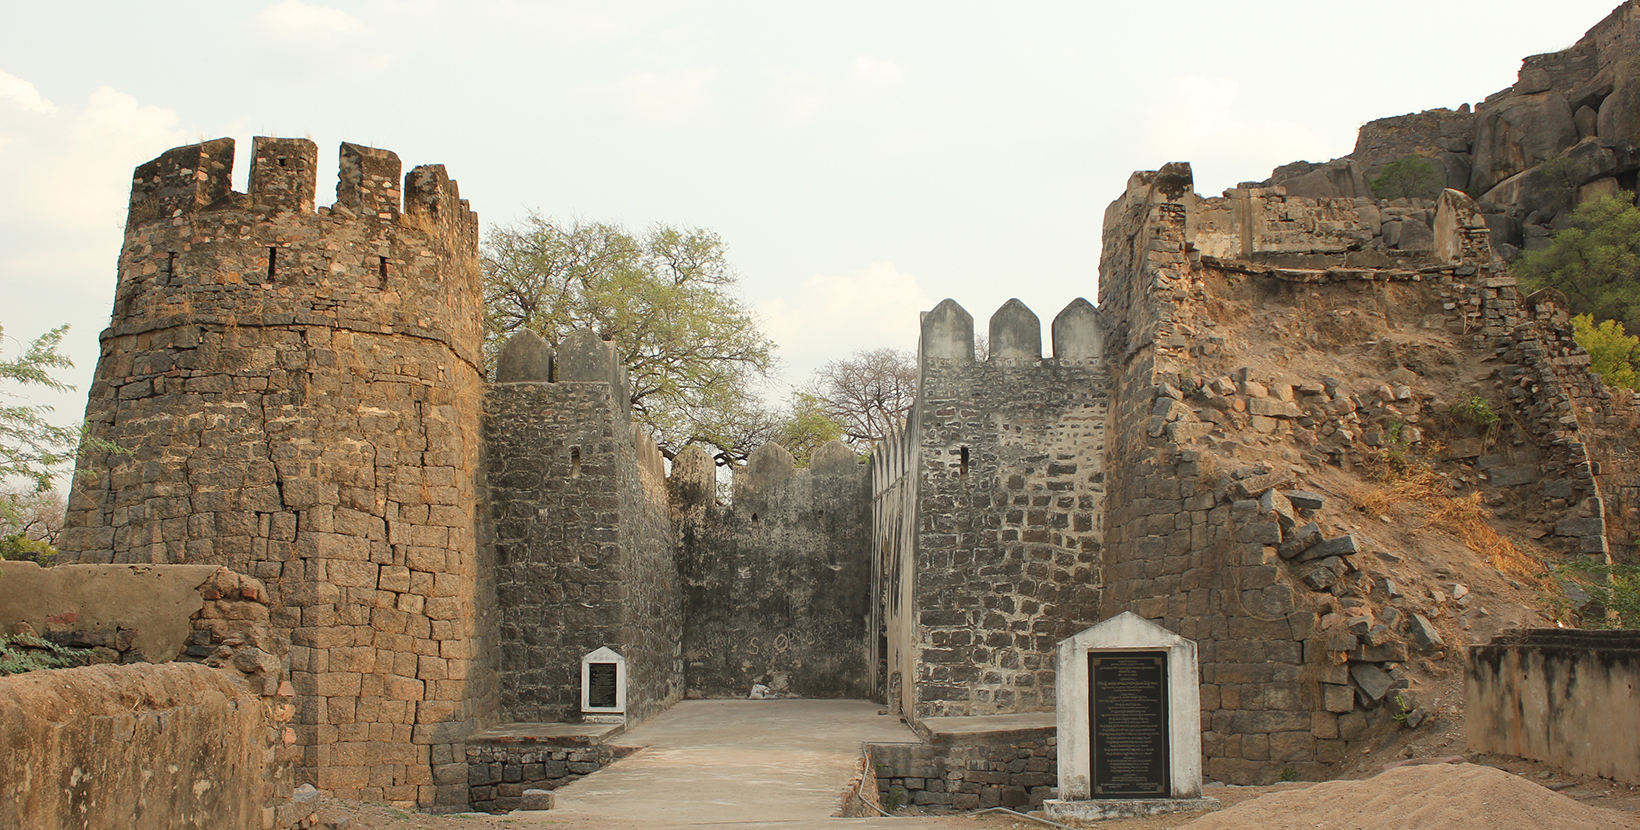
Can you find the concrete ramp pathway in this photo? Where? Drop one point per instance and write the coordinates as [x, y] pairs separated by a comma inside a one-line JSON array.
[[748, 763]]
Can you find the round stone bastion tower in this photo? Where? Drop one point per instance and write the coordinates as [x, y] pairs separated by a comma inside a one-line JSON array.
[[299, 392]]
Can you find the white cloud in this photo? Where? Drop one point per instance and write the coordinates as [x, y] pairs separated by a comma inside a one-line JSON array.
[[23, 94], [1200, 120], [79, 161], [296, 20], [875, 70], [874, 307], [664, 98]]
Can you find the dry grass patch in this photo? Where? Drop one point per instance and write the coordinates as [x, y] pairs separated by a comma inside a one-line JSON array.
[[1424, 490]]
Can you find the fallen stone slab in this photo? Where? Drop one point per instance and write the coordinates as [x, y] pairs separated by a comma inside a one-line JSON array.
[[1305, 500], [1299, 540], [1424, 634], [1373, 682], [1345, 545]]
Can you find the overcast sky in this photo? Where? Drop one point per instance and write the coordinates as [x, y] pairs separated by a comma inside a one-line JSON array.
[[861, 160]]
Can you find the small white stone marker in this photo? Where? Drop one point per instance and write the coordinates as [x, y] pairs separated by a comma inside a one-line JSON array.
[[1129, 723], [603, 687]]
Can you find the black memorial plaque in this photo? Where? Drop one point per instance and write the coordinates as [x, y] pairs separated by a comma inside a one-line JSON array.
[[1128, 697], [601, 686]]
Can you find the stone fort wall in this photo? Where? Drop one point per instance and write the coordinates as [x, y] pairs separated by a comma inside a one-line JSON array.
[[300, 392], [577, 515], [777, 583], [303, 396], [1008, 506]]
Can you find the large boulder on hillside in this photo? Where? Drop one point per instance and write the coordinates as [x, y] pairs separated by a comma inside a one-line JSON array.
[[1456, 167], [1336, 179], [1554, 186], [1517, 132], [1619, 116]]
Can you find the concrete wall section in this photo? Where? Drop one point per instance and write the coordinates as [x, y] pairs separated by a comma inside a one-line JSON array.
[[1564, 697]]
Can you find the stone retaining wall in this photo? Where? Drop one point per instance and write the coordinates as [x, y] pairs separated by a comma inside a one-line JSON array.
[[501, 766], [202, 741], [1016, 769]]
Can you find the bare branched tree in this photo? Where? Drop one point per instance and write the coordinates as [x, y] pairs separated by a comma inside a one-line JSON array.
[[869, 394]]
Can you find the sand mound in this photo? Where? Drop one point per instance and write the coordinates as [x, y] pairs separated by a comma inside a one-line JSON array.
[[1432, 797]]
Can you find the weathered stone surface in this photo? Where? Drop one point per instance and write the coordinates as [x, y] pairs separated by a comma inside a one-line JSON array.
[[181, 735], [1300, 540], [1345, 545], [948, 333], [1078, 334], [1016, 333], [1336, 179], [1423, 633], [1373, 681], [527, 358], [583, 356], [1324, 574], [1518, 132], [1305, 500], [1619, 115]]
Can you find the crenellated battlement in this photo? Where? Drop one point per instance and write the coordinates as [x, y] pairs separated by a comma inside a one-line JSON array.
[[284, 174], [1015, 336], [367, 181], [284, 179], [583, 357], [182, 180]]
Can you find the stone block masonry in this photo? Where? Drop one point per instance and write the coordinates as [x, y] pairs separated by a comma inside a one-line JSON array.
[[1009, 509], [960, 771], [300, 391], [579, 522], [777, 585], [505, 761]]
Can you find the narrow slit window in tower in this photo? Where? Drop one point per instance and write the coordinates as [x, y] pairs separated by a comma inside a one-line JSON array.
[[575, 462], [381, 271], [963, 462], [273, 255]]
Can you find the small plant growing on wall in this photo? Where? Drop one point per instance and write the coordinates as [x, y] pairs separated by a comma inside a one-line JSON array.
[[1476, 411], [25, 652]]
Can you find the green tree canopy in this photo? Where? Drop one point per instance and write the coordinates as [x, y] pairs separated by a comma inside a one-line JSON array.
[[666, 298], [30, 445], [1595, 262], [1612, 354], [1408, 177]]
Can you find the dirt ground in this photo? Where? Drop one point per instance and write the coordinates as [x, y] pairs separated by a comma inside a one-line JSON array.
[[1518, 802]]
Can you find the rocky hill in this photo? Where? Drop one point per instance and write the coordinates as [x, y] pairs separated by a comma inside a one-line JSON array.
[[1566, 131]]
